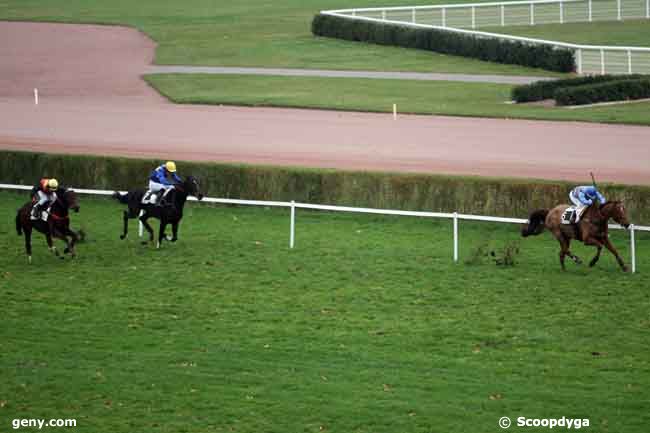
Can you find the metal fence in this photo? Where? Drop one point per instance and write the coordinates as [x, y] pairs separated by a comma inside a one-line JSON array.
[[293, 206], [466, 18]]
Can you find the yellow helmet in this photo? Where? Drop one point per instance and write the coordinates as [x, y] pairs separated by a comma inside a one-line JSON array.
[[170, 166], [52, 184]]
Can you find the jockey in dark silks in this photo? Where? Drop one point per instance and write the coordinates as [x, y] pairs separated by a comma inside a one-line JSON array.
[[163, 178], [43, 196], [583, 196]]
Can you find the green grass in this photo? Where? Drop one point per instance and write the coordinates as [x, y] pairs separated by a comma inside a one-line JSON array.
[[423, 97], [367, 326], [629, 33]]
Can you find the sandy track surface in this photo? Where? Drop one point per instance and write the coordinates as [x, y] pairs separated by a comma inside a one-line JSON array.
[[93, 101]]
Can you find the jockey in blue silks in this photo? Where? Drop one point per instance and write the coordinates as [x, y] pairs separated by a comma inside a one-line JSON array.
[[583, 196], [163, 178]]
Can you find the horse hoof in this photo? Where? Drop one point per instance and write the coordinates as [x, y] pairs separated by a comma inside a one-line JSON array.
[[173, 239], [144, 242], [62, 257], [66, 251], [626, 269], [122, 237], [169, 238]]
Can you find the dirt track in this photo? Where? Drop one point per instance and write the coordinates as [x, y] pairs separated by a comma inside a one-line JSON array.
[[93, 101]]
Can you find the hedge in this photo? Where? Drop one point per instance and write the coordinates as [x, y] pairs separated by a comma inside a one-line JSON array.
[[620, 90], [545, 89], [446, 42], [425, 192]]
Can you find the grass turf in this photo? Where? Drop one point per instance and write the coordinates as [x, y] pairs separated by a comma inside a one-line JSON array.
[[367, 326], [422, 97]]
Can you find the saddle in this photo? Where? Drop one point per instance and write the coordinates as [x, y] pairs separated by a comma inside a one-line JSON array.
[[44, 215], [149, 198], [569, 215], [156, 199]]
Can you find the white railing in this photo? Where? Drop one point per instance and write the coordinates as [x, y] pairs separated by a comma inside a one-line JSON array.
[[456, 217], [466, 18]]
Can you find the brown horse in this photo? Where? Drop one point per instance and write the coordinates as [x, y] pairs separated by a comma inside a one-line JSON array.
[[56, 226], [592, 228]]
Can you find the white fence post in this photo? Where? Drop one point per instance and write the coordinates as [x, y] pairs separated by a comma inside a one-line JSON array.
[[383, 15], [473, 17], [647, 9], [455, 236], [602, 62], [140, 225], [633, 248], [292, 234], [532, 14], [629, 61], [579, 61], [444, 17], [503, 16], [413, 15], [590, 11], [561, 12], [618, 7]]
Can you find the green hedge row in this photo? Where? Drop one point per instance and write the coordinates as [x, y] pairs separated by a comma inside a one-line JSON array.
[[619, 90], [424, 192], [545, 89], [446, 42]]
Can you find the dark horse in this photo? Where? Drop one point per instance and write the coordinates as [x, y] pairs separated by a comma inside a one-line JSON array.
[[56, 226], [591, 229], [167, 214]]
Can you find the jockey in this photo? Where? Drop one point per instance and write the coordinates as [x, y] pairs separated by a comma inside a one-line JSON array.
[[163, 178], [43, 194], [583, 196]]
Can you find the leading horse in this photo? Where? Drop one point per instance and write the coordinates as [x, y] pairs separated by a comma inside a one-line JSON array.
[[168, 214], [592, 228], [56, 226]]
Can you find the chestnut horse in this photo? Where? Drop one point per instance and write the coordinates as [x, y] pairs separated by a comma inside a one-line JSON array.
[[57, 225], [592, 228]]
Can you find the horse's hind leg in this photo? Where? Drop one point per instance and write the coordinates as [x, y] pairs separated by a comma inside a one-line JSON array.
[[174, 231], [593, 261], [575, 258], [146, 225], [125, 216]]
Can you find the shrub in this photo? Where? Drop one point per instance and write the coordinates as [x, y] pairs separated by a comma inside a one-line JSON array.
[[620, 90], [445, 42], [545, 89]]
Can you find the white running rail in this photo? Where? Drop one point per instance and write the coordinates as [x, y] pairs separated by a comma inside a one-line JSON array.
[[466, 18], [456, 217]]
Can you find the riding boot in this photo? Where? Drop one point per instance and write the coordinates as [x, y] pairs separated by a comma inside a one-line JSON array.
[[36, 212]]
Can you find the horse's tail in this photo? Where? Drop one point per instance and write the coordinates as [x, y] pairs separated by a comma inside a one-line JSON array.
[[535, 223], [19, 226], [122, 198]]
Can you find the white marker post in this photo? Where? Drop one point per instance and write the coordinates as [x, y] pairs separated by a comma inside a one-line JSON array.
[[35, 96], [394, 111]]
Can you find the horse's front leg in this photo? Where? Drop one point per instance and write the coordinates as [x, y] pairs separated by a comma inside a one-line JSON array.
[[70, 243], [610, 247], [161, 232], [50, 244], [28, 243], [175, 231], [590, 240]]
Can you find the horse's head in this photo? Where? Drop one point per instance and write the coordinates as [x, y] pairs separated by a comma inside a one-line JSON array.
[[616, 211], [69, 199], [191, 187]]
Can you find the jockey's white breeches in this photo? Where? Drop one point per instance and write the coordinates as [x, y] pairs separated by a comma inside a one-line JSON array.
[[155, 186]]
